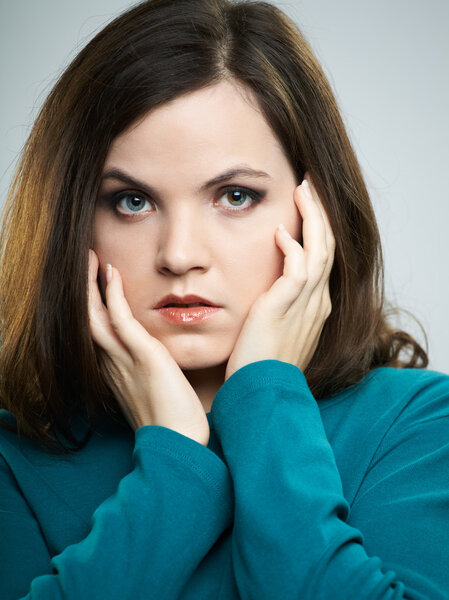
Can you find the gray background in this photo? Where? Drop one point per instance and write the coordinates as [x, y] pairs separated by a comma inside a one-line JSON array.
[[388, 63]]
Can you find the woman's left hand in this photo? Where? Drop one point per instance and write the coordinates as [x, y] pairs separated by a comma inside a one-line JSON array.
[[285, 323]]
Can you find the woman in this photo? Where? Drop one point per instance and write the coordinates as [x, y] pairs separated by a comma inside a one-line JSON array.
[[282, 441]]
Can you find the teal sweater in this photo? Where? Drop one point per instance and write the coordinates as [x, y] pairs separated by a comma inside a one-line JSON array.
[[344, 498]]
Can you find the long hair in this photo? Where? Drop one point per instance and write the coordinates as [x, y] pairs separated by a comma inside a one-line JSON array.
[[149, 55]]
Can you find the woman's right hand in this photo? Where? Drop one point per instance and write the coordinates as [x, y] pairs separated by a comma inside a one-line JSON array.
[[146, 380]]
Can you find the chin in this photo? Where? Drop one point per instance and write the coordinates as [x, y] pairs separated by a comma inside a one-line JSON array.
[[198, 363], [195, 358], [199, 351]]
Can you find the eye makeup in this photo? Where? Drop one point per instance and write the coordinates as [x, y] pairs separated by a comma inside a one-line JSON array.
[[254, 195], [125, 203]]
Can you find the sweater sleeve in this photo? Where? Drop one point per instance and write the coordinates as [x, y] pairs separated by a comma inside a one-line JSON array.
[[146, 539], [293, 536]]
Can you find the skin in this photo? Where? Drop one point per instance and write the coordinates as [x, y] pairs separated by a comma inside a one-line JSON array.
[[221, 246]]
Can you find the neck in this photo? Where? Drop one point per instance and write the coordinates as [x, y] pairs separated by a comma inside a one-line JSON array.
[[206, 383]]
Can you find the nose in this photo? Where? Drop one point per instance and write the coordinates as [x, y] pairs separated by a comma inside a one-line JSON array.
[[183, 243]]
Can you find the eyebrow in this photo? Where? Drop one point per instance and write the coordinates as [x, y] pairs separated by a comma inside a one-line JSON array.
[[228, 174]]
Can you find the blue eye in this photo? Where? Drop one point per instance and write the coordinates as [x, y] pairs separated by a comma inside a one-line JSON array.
[[233, 199], [238, 196], [130, 203]]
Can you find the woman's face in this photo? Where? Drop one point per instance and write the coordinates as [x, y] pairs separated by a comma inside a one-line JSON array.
[[183, 237]]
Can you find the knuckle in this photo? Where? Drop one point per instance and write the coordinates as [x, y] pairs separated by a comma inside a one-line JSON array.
[[117, 322], [323, 258], [327, 307], [299, 279], [152, 350]]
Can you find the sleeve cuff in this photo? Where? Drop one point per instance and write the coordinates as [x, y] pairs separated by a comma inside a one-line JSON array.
[[163, 440], [255, 376]]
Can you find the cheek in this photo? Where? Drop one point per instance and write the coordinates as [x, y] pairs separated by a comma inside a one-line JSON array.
[[255, 259], [124, 248], [254, 264]]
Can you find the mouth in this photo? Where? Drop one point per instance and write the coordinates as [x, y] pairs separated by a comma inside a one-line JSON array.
[[188, 314], [185, 305], [187, 301]]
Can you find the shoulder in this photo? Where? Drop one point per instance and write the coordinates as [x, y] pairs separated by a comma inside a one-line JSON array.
[[411, 396], [389, 412], [8, 437], [406, 380], [7, 417], [18, 453], [394, 394]]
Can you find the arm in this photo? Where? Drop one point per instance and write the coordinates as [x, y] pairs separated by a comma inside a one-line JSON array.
[[293, 535], [146, 540]]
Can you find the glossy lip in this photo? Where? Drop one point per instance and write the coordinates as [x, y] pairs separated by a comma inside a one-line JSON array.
[[188, 299], [187, 316]]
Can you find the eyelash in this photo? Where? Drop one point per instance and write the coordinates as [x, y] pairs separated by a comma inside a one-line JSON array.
[[254, 196]]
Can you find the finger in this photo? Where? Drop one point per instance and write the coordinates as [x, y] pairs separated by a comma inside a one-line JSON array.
[[133, 335], [97, 310], [95, 300], [286, 289], [322, 288], [330, 239], [99, 322], [314, 233]]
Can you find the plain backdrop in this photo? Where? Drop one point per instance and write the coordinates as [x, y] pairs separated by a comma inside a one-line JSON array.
[[388, 63]]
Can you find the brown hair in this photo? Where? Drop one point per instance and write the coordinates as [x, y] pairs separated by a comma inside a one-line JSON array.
[[154, 52]]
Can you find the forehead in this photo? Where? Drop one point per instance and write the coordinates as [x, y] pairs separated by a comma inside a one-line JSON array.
[[210, 124]]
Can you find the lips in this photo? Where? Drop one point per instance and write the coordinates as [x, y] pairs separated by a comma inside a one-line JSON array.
[[185, 305], [188, 301]]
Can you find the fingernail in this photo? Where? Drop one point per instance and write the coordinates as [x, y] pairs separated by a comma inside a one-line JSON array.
[[306, 186], [282, 229], [108, 272]]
